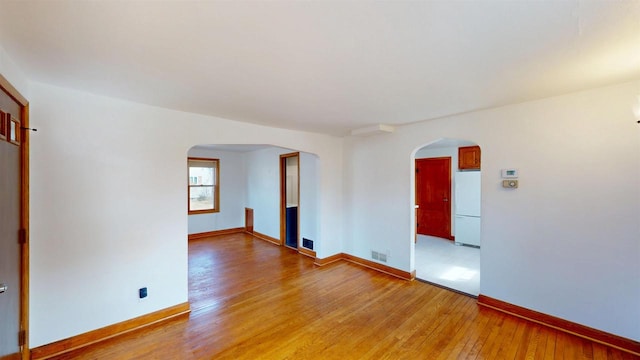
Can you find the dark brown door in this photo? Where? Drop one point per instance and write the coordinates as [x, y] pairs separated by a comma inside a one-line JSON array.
[[433, 197], [9, 228]]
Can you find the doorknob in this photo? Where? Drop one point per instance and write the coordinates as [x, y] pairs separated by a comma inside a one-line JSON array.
[[445, 199], [3, 288]]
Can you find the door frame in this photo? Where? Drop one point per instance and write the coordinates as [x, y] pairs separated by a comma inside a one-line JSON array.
[[10, 90], [283, 199], [248, 220]]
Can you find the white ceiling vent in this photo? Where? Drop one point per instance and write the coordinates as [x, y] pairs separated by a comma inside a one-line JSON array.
[[373, 130]]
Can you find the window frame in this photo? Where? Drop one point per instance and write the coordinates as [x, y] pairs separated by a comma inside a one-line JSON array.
[[215, 186]]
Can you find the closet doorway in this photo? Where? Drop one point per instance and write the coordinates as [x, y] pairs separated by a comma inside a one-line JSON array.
[[289, 199]]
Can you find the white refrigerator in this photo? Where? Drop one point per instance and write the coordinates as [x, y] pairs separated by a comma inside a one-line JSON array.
[[467, 218]]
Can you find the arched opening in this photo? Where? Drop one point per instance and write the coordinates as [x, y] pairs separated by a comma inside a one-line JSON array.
[[251, 184], [250, 178], [447, 215]]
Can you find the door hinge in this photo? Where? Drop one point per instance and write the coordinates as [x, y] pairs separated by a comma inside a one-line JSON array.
[[22, 236], [22, 338]]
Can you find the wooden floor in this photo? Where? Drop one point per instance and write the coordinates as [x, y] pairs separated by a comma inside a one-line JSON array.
[[254, 300]]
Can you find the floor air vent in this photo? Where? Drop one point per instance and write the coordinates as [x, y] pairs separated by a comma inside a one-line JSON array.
[[307, 243], [378, 256]]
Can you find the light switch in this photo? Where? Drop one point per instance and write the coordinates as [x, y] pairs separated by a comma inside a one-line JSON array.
[[511, 184]]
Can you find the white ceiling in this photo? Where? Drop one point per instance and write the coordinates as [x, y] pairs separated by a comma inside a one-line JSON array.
[[232, 147], [325, 66]]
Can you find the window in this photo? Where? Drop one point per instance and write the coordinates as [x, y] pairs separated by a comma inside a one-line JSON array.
[[204, 189]]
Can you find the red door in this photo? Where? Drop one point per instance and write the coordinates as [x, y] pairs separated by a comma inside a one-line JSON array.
[[10, 249], [433, 194]]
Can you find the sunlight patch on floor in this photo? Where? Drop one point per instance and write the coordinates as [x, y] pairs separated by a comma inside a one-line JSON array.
[[458, 273], [441, 262]]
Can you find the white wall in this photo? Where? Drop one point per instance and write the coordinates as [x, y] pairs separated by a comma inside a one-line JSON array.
[[263, 192], [309, 214], [566, 242], [98, 233], [233, 183], [263, 189], [430, 152], [108, 213], [14, 74]]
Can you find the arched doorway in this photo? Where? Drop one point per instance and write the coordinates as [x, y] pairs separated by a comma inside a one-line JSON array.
[[250, 184], [250, 177], [447, 216]]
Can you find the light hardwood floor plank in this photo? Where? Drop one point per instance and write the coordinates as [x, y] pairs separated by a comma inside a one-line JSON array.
[[251, 299]]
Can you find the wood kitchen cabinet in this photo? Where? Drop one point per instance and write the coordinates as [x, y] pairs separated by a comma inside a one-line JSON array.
[[469, 158]]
